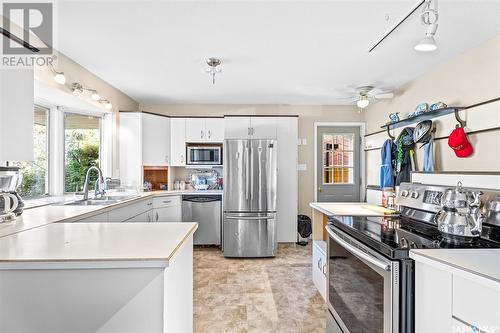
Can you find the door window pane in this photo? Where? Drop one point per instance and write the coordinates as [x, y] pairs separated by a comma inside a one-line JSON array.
[[82, 142], [34, 173], [338, 158]]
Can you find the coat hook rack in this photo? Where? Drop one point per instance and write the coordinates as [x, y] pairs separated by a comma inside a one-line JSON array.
[[462, 122], [392, 137]]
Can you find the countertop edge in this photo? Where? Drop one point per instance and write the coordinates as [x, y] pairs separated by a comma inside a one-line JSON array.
[[420, 256]]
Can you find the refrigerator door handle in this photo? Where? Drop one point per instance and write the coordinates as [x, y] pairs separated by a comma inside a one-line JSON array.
[[247, 170], [231, 217]]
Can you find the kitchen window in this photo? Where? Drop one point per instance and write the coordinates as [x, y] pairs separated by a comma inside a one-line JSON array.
[[82, 149], [338, 158], [35, 181]]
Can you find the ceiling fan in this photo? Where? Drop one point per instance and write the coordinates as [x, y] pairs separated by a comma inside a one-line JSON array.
[[363, 95]]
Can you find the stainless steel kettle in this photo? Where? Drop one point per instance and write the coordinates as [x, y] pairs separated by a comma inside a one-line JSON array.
[[460, 216]]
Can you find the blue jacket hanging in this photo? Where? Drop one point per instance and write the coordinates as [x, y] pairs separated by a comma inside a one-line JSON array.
[[386, 171]]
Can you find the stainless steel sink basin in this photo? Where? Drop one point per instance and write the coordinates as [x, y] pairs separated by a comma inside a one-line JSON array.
[[104, 201]]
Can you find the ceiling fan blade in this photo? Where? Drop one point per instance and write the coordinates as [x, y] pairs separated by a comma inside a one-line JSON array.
[[387, 95]]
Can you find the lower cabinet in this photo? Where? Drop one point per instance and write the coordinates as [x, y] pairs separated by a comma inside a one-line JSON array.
[[319, 267], [143, 217], [167, 209], [449, 302]]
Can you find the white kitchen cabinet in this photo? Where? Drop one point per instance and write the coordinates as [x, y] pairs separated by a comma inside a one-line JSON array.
[[167, 209], [167, 214], [237, 128], [250, 127], [287, 198], [195, 130], [16, 114], [129, 211], [155, 140], [178, 141], [264, 128], [143, 217], [215, 129], [144, 139], [320, 267], [204, 129]]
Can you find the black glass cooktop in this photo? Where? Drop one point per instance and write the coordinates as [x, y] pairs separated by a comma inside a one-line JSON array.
[[395, 236]]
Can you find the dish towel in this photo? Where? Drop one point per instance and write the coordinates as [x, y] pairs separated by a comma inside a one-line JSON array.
[[386, 172], [429, 156]]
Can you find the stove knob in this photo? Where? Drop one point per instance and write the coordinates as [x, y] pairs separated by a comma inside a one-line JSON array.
[[404, 193], [414, 194]]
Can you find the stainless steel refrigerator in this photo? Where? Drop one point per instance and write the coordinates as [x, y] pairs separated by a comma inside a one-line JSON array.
[[250, 181]]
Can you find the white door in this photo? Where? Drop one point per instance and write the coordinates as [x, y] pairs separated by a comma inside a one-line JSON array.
[[195, 130], [168, 214], [237, 128], [263, 127], [155, 140], [214, 128], [178, 142]]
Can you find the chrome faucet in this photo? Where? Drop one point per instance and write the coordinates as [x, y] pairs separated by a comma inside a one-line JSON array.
[[99, 186]]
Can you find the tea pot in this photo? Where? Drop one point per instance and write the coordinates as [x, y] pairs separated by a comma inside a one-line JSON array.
[[10, 203], [460, 215]]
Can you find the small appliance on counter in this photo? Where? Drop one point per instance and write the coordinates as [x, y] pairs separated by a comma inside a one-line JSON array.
[[10, 180]]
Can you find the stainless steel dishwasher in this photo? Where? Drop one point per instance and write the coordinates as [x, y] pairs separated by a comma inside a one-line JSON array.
[[206, 209]]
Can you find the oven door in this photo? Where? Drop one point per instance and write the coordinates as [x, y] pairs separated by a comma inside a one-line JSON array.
[[363, 286], [204, 155]]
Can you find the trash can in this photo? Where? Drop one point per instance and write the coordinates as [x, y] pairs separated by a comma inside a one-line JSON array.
[[304, 228]]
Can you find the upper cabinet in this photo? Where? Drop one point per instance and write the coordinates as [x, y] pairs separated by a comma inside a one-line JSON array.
[[250, 127], [204, 129], [155, 140], [16, 114], [178, 141]]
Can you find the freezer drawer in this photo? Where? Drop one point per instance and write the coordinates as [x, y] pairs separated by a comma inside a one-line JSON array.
[[207, 211], [250, 235]]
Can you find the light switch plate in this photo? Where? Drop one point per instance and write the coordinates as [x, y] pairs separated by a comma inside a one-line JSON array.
[[301, 167]]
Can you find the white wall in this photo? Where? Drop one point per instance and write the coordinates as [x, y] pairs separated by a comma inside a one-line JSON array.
[[468, 79]]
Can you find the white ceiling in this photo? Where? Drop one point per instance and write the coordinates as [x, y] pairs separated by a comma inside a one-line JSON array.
[[274, 52]]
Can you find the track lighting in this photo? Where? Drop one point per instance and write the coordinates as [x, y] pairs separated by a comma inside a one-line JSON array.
[[60, 78], [79, 89], [429, 18]]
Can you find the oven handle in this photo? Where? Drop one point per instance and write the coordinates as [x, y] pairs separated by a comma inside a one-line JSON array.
[[359, 253]]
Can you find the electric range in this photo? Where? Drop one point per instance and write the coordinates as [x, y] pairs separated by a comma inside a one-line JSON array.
[[370, 274]]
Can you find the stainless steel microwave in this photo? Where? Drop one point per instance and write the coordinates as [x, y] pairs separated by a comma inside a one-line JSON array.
[[204, 155]]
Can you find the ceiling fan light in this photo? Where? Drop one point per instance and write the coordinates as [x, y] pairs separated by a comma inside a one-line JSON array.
[[362, 103], [428, 44], [60, 78]]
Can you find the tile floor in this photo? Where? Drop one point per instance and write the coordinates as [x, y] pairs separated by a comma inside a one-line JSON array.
[[256, 295]]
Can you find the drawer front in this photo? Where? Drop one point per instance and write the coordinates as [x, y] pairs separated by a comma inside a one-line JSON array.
[[476, 304], [129, 211], [169, 201]]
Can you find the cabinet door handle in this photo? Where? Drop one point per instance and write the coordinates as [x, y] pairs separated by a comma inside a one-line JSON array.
[[202, 134], [324, 269], [319, 263], [209, 134], [253, 131], [182, 158], [156, 216], [249, 131], [168, 201], [149, 218]]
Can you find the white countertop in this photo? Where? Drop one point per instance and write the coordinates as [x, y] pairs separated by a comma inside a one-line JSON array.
[[44, 215], [473, 263], [94, 245], [351, 209]]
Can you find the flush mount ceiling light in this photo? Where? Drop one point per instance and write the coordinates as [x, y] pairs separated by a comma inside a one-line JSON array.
[[429, 18], [213, 67]]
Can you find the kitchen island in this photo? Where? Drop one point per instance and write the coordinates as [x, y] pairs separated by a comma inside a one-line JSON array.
[[98, 277]]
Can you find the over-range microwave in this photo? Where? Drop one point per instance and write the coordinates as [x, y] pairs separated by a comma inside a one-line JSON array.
[[204, 155]]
